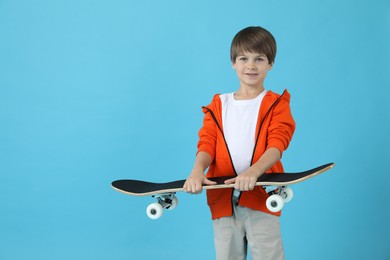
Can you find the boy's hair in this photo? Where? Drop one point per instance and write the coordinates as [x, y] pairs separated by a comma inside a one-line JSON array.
[[253, 39]]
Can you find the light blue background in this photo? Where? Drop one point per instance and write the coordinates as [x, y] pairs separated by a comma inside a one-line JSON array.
[[93, 91]]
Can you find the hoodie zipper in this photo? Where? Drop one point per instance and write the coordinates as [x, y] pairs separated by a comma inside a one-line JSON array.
[[224, 139], [262, 122], [227, 147]]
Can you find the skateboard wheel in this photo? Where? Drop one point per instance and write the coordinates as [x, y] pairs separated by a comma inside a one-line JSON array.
[[287, 194], [175, 201], [154, 211], [275, 203]]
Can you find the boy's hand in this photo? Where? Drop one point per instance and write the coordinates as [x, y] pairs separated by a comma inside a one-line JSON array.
[[245, 181], [194, 182]]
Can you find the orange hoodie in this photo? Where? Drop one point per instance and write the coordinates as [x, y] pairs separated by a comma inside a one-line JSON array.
[[275, 127]]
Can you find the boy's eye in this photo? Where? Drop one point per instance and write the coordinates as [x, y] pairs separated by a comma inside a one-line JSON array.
[[242, 58], [259, 59]]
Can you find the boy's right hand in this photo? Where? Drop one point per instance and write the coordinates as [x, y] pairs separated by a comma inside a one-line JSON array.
[[194, 183]]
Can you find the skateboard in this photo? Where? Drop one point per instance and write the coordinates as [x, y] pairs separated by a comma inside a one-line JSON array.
[[276, 186]]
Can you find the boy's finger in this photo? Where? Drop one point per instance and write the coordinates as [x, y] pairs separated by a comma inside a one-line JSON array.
[[208, 182], [198, 188], [194, 188], [230, 181]]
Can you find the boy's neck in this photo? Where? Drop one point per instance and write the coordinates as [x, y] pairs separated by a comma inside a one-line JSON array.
[[248, 93]]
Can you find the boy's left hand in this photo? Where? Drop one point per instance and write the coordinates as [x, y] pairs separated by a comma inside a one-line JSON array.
[[244, 181], [247, 180]]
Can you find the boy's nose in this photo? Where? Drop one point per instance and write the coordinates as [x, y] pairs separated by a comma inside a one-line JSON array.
[[251, 66]]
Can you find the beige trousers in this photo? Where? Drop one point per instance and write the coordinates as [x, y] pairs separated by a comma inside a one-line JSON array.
[[259, 230]]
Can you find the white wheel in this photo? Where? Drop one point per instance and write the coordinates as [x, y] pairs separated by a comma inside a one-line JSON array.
[[154, 211], [175, 201], [287, 194], [275, 203]]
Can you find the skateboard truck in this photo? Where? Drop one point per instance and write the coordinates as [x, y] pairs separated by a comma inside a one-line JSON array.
[[278, 196], [166, 201]]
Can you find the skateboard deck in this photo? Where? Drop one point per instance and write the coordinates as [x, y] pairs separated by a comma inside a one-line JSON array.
[[275, 185]]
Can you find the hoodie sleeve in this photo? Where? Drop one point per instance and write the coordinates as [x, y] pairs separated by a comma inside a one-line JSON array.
[[282, 126], [207, 135]]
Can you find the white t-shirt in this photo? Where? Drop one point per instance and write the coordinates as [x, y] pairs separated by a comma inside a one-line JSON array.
[[239, 119]]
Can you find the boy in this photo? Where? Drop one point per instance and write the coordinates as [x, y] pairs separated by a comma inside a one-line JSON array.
[[243, 136]]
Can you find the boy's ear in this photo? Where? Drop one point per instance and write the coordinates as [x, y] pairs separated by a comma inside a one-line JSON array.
[[270, 66], [233, 65]]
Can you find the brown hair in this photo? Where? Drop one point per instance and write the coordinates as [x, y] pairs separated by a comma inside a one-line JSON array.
[[253, 39]]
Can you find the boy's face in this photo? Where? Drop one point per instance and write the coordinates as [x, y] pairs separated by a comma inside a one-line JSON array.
[[251, 68]]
